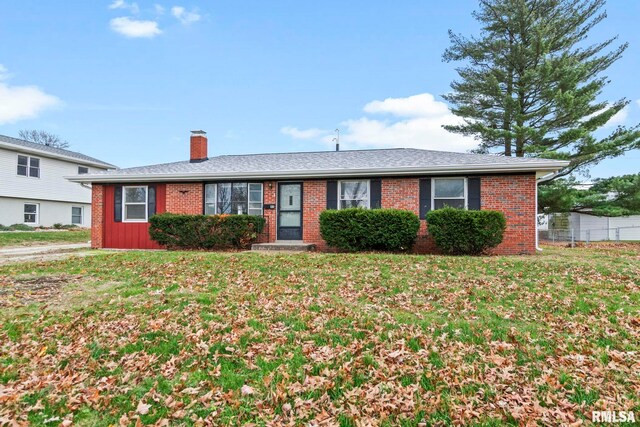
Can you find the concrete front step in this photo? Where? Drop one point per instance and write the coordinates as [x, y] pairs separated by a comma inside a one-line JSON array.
[[292, 246]]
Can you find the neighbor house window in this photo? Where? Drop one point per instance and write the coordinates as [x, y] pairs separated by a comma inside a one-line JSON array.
[[451, 192], [76, 215], [28, 166], [82, 170], [31, 213], [353, 194], [134, 204], [233, 198]]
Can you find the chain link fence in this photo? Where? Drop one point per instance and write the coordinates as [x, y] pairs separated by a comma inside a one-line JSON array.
[[572, 235]]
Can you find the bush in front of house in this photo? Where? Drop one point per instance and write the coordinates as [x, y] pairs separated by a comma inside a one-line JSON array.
[[205, 231], [466, 232], [369, 229], [61, 226], [16, 227]]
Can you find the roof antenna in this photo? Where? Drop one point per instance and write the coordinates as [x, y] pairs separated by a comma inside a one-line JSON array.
[[336, 139]]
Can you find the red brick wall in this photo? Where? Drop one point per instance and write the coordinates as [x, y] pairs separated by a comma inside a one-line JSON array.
[[515, 196], [185, 198], [198, 145], [97, 215], [314, 202], [404, 193], [269, 198], [512, 194]]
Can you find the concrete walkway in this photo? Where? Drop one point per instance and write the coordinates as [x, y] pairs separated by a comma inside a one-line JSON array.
[[42, 253]]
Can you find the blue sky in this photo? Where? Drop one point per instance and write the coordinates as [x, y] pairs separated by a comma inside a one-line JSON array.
[[125, 81]]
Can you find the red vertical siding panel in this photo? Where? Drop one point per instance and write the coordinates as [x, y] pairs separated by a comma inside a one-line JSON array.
[[129, 235]]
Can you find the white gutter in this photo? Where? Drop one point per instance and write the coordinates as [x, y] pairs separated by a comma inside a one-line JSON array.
[[550, 166], [543, 178], [49, 154]]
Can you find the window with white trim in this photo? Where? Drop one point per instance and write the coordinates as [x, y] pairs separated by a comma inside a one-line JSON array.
[[353, 194], [233, 198], [134, 203], [450, 192], [76, 215], [28, 166], [31, 213], [82, 170]]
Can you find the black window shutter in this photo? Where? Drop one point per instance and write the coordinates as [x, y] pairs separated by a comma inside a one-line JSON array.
[[376, 193], [425, 197], [473, 193], [151, 205], [332, 194], [117, 203]]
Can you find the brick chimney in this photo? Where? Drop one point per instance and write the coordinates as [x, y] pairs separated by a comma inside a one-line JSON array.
[[198, 146]]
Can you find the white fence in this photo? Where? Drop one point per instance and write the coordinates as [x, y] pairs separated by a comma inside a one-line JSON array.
[[616, 234]]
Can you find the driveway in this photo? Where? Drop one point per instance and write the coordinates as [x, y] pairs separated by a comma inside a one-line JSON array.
[[43, 253]]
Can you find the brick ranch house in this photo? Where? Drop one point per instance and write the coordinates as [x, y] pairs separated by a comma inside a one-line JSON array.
[[291, 189]]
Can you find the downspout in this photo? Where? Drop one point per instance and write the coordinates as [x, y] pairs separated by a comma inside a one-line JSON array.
[[538, 181]]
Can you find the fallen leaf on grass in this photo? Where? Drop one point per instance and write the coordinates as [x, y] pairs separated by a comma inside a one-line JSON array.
[[143, 408]]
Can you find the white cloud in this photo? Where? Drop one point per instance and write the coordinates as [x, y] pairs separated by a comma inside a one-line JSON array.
[[296, 133], [121, 4], [22, 102], [416, 123], [183, 16], [159, 9], [135, 28], [421, 105]]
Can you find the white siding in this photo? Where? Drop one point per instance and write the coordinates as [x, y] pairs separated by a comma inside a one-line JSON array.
[[595, 228], [50, 212], [51, 184], [629, 227]]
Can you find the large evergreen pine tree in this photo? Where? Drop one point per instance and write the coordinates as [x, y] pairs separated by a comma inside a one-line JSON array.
[[531, 82]]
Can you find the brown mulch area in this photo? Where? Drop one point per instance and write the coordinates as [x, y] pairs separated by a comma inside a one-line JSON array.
[[21, 291]]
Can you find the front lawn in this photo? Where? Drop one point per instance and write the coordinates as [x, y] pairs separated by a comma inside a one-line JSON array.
[[34, 238], [180, 338]]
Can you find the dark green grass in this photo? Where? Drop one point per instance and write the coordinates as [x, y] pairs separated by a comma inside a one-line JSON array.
[[33, 238]]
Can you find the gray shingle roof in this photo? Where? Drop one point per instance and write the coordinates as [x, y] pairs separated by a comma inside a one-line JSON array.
[[328, 163], [22, 145]]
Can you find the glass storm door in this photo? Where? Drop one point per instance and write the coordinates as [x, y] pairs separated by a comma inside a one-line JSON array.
[[290, 211]]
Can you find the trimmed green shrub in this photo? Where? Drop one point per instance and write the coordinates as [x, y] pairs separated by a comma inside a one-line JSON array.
[[205, 231], [21, 227], [369, 229], [463, 232]]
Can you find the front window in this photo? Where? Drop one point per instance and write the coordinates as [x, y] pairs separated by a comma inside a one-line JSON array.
[[354, 194], [28, 166], [76, 215], [82, 170], [31, 211], [255, 199], [450, 192], [134, 204], [233, 198]]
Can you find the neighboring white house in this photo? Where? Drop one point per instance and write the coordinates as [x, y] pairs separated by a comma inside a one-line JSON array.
[[33, 189], [594, 228], [591, 228]]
